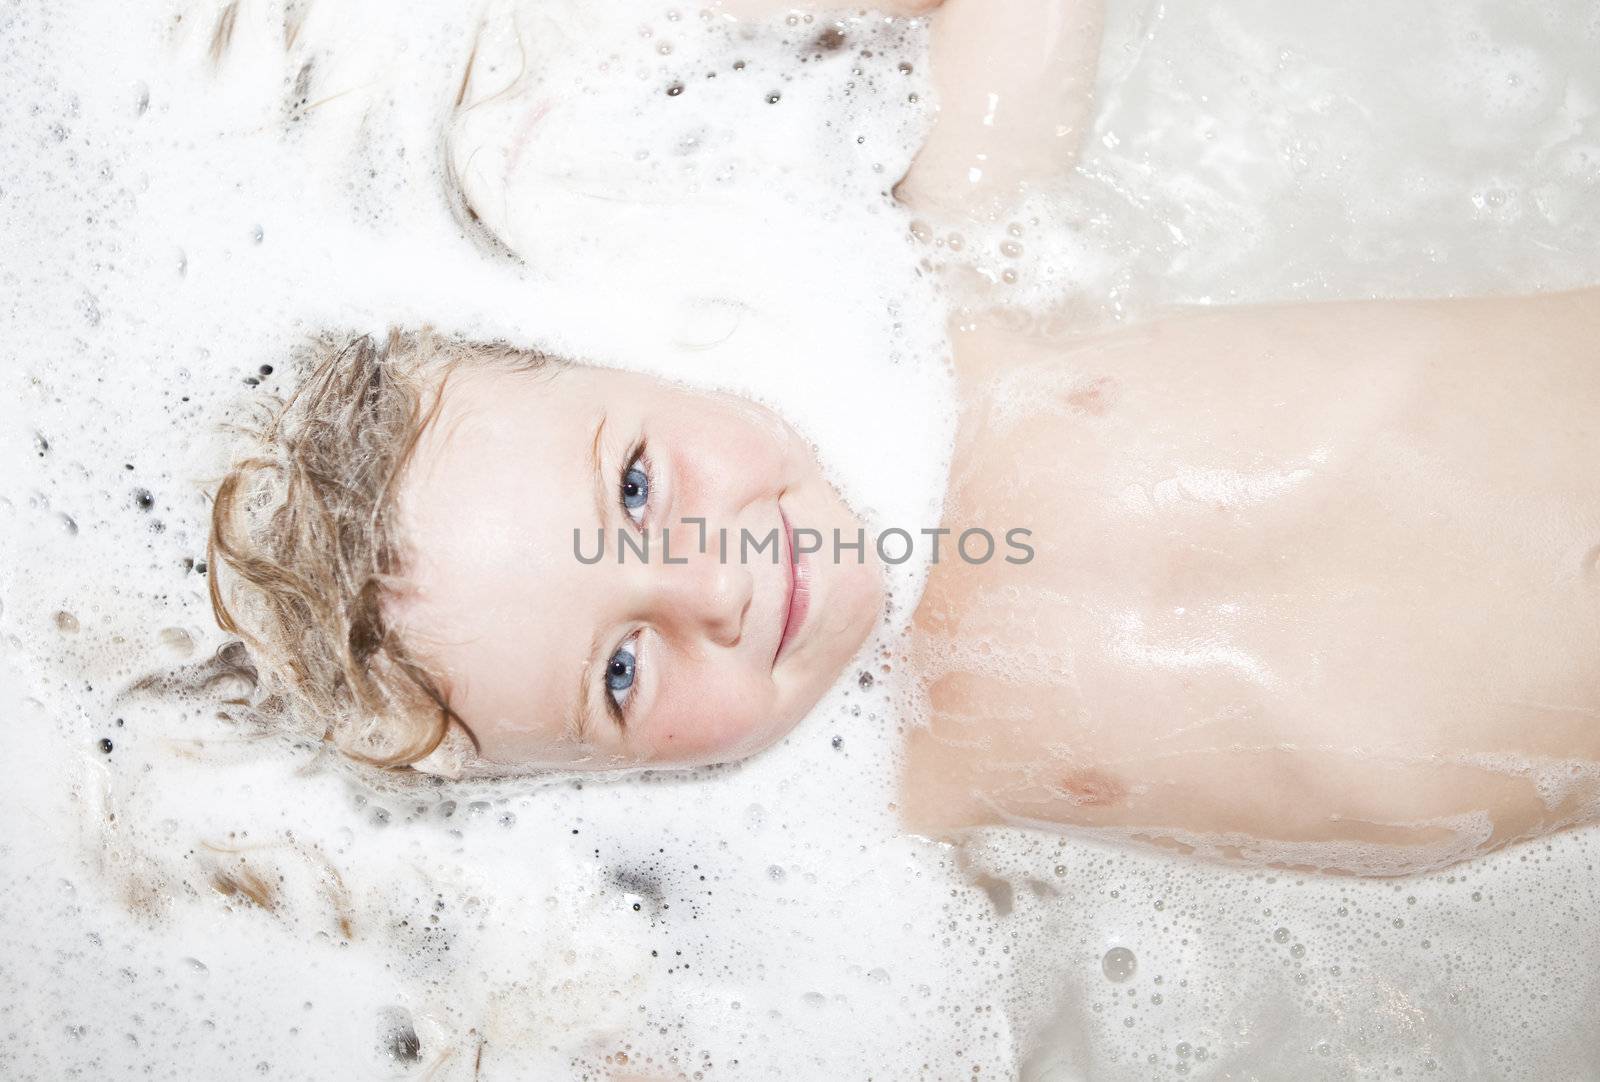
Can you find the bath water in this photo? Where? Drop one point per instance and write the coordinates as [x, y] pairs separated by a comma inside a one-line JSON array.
[[189, 190]]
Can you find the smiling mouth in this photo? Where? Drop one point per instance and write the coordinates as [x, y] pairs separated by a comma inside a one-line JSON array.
[[799, 593]]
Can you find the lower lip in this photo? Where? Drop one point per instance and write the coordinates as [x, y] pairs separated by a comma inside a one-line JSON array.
[[799, 589]]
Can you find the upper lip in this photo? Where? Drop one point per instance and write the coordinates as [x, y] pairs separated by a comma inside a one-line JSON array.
[[789, 583]]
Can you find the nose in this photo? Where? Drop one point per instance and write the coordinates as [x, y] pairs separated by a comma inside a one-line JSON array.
[[705, 597]]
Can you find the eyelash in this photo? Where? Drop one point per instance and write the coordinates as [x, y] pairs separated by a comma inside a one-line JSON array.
[[636, 457], [619, 710]]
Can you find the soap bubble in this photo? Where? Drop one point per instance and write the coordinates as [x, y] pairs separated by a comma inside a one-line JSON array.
[[1118, 964]]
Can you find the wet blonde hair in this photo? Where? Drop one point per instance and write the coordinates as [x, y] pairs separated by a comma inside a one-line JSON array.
[[305, 551]]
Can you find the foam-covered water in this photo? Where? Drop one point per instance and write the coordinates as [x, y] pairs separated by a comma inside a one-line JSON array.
[[201, 902]]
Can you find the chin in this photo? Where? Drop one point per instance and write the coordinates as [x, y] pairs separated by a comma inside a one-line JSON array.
[[770, 737], [869, 589]]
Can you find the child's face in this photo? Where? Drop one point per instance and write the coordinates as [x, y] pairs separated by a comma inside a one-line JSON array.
[[550, 660]]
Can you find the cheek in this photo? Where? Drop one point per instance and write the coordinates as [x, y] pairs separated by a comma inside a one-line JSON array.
[[710, 717]]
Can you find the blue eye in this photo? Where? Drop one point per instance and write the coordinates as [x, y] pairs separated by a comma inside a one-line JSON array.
[[620, 673], [634, 491]]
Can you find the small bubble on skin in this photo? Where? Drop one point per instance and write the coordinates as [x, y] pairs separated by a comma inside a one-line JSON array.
[[674, 90], [904, 68], [1297, 951], [955, 242], [838, 742], [864, 680], [143, 500], [104, 744], [1118, 964], [1281, 935], [257, 235], [1010, 249], [774, 97], [66, 623], [775, 873]]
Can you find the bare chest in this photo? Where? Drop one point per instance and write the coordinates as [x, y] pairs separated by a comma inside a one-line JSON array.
[[1239, 623]]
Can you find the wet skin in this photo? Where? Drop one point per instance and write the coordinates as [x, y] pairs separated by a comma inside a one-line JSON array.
[[1315, 583], [554, 661]]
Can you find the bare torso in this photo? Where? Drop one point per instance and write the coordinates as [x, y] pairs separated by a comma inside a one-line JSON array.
[[1315, 585]]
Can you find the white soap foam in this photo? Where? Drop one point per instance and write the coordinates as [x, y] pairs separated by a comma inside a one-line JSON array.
[[203, 901]]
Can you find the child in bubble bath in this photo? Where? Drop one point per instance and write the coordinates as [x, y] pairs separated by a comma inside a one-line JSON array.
[[1316, 585]]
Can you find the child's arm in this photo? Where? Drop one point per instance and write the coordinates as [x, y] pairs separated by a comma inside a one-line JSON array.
[[1015, 81]]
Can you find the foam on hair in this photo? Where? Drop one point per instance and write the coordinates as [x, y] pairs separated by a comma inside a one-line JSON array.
[[305, 551]]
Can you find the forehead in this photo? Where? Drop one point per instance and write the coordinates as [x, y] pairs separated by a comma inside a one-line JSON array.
[[493, 596], [500, 472]]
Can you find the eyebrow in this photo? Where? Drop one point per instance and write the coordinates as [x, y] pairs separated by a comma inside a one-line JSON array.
[[584, 708], [600, 502]]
